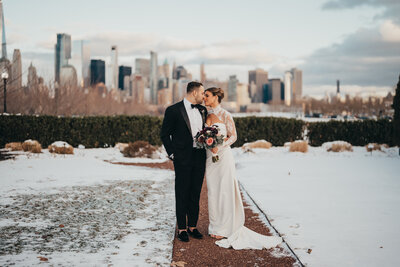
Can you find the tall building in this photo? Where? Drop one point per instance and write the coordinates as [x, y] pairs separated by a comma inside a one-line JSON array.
[[85, 57], [62, 53], [163, 76], [5, 64], [153, 77], [179, 72], [80, 59], [259, 77], [97, 71], [267, 93], [142, 66], [297, 83], [123, 72], [273, 91], [3, 33], [16, 70], [114, 67], [337, 87], [288, 78], [137, 88], [32, 77], [242, 92], [276, 88], [232, 88], [180, 89], [68, 76], [203, 77]]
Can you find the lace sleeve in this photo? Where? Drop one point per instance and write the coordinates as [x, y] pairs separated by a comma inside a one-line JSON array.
[[231, 130]]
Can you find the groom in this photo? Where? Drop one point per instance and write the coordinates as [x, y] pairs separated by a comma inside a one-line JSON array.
[[182, 121]]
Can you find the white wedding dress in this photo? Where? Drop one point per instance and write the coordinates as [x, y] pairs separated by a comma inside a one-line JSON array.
[[225, 207]]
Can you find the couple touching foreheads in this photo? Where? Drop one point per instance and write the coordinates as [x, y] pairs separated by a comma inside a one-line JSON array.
[[182, 122]]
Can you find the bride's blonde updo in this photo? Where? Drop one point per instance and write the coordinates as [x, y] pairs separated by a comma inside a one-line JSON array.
[[216, 92]]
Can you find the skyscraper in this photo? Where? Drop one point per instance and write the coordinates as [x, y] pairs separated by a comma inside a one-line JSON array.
[[153, 77], [297, 83], [242, 92], [259, 77], [16, 70], [202, 73], [123, 71], [179, 72], [114, 67], [97, 71], [85, 57], [232, 88], [138, 88], [68, 76], [5, 64], [164, 76], [32, 77], [142, 66], [288, 79], [274, 87], [62, 53], [3, 33]]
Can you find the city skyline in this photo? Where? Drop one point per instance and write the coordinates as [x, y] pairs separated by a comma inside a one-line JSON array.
[[223, 51]]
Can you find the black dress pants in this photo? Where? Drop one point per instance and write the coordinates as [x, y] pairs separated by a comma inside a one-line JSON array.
[[189, 177]]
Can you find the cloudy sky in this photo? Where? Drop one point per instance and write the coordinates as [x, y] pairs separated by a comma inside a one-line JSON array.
[[356, 41]]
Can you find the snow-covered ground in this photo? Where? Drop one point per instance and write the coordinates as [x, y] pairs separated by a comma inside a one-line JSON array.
[[78, 210], [81, 210], [343, 206]]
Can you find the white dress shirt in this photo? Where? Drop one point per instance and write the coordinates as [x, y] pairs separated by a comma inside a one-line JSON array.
[[196, 122]]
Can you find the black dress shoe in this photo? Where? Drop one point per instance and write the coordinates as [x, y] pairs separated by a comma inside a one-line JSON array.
[[195, 233], [183, 236]]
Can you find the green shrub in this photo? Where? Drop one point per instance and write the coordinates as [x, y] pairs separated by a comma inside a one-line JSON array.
[[357, 133], [88, 131], [274, 130], [102, 131]]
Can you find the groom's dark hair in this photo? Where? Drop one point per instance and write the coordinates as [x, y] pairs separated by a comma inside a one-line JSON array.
[[193, 86]]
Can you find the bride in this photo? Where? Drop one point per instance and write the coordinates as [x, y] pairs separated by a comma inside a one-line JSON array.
[[225, 207]]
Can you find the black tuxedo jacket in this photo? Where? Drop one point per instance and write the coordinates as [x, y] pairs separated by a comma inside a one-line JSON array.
[[176, 132]]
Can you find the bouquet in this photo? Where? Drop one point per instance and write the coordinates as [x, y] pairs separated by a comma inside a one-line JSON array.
[[209, 138]]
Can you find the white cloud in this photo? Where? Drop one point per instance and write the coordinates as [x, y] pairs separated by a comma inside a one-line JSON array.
[[390, 31]]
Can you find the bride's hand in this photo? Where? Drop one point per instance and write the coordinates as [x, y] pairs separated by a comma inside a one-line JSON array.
[[214, 150]]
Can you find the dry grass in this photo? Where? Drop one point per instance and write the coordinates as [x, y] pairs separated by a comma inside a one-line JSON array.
[[299, 146], [141, 149], [31, 146], [373, 147], [67, 149], [257, 144], [340, 147], [14, 146]]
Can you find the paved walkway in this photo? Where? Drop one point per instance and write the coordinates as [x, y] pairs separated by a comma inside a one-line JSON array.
[[206, 253]]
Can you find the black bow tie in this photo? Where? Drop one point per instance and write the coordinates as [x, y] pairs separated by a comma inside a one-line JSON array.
[[195, 106]]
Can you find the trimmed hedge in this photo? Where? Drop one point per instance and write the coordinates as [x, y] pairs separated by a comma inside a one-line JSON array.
[[274, 130], [88, 131], [106, 131], [357, 133]]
